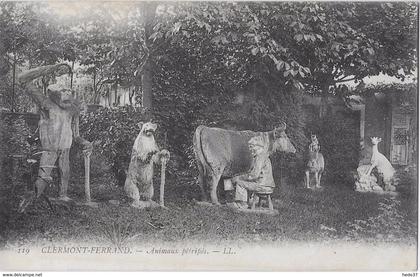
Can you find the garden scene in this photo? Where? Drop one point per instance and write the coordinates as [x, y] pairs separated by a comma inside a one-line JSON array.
[[328, 89]]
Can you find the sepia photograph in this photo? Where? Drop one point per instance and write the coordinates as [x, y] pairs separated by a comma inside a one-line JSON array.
[[208, 136]]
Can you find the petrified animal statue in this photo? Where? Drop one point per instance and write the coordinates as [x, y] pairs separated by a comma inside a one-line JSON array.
[[381, 163], [365, 182], [139, 182], [315, 164], [260, 177], [58, 128], [223, 153]]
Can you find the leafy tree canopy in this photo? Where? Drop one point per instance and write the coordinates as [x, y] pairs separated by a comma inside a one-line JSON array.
[[313, 46]]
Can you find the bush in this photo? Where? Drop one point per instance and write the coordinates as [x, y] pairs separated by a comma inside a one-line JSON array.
[[180, 112], [338, 136], [14, 133], [390, 225], [266, 116], [113, 131]]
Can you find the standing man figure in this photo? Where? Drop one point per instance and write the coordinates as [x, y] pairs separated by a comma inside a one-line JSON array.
[[58, 126]]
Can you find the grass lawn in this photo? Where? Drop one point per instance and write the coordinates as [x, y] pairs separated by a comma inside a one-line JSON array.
[[336, 213]]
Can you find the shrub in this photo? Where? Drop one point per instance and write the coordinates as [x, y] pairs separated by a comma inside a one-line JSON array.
[[180, 112], [265, 116], [389, 225], [113, 131], [338, 136], [14, 133]]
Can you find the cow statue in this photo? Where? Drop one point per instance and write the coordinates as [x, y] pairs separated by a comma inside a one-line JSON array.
[[224, 154]]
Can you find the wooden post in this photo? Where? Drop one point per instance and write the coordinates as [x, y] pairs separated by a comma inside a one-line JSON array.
[[87, 175], [162, 182]]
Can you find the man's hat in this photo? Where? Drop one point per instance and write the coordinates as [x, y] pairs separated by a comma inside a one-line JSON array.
[[257, 141]]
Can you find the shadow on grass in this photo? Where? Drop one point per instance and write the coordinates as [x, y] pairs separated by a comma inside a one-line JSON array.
[[303, 215]]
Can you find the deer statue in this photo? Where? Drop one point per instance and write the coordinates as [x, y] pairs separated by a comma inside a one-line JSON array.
[[315, 163], [382, 164]]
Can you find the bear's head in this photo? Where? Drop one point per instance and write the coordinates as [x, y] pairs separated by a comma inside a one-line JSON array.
[[148, 129]]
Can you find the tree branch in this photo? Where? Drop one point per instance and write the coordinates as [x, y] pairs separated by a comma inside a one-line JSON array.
[[335, 73], [145, 59], [342, 80], [99, 89], [99, 81]]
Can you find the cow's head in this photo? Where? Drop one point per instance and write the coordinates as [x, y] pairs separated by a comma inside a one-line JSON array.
[[148, 128], [282, 141]]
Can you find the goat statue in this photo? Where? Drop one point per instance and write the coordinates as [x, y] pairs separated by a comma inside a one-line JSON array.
[[315, 163], [382, 164]]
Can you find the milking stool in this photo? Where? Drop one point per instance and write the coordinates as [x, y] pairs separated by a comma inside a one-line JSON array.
[[260, 196]]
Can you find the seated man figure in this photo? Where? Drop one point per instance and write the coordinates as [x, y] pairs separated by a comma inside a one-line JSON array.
[[260, 177]]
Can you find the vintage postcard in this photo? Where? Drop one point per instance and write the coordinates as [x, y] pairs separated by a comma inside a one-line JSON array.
[[208, 136]]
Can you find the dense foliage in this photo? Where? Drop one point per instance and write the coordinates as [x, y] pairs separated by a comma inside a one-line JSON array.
[[113, 132], [237, 65], [339, 138], [193, 59], [315, 46], [14, 148]]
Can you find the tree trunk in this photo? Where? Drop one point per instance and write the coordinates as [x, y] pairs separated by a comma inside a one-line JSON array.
[[131, 95], [95, 97], [109, 96], [146, 81], [44, 85], [149, 11], [71, 75], [13, 84], [324, 100], [116, 91], [94, 82]]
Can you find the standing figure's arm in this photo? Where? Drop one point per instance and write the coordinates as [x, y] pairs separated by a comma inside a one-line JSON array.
[[36, 94], [25, 79]]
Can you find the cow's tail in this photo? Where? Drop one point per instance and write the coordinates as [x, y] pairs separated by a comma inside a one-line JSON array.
[[201, 160]]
